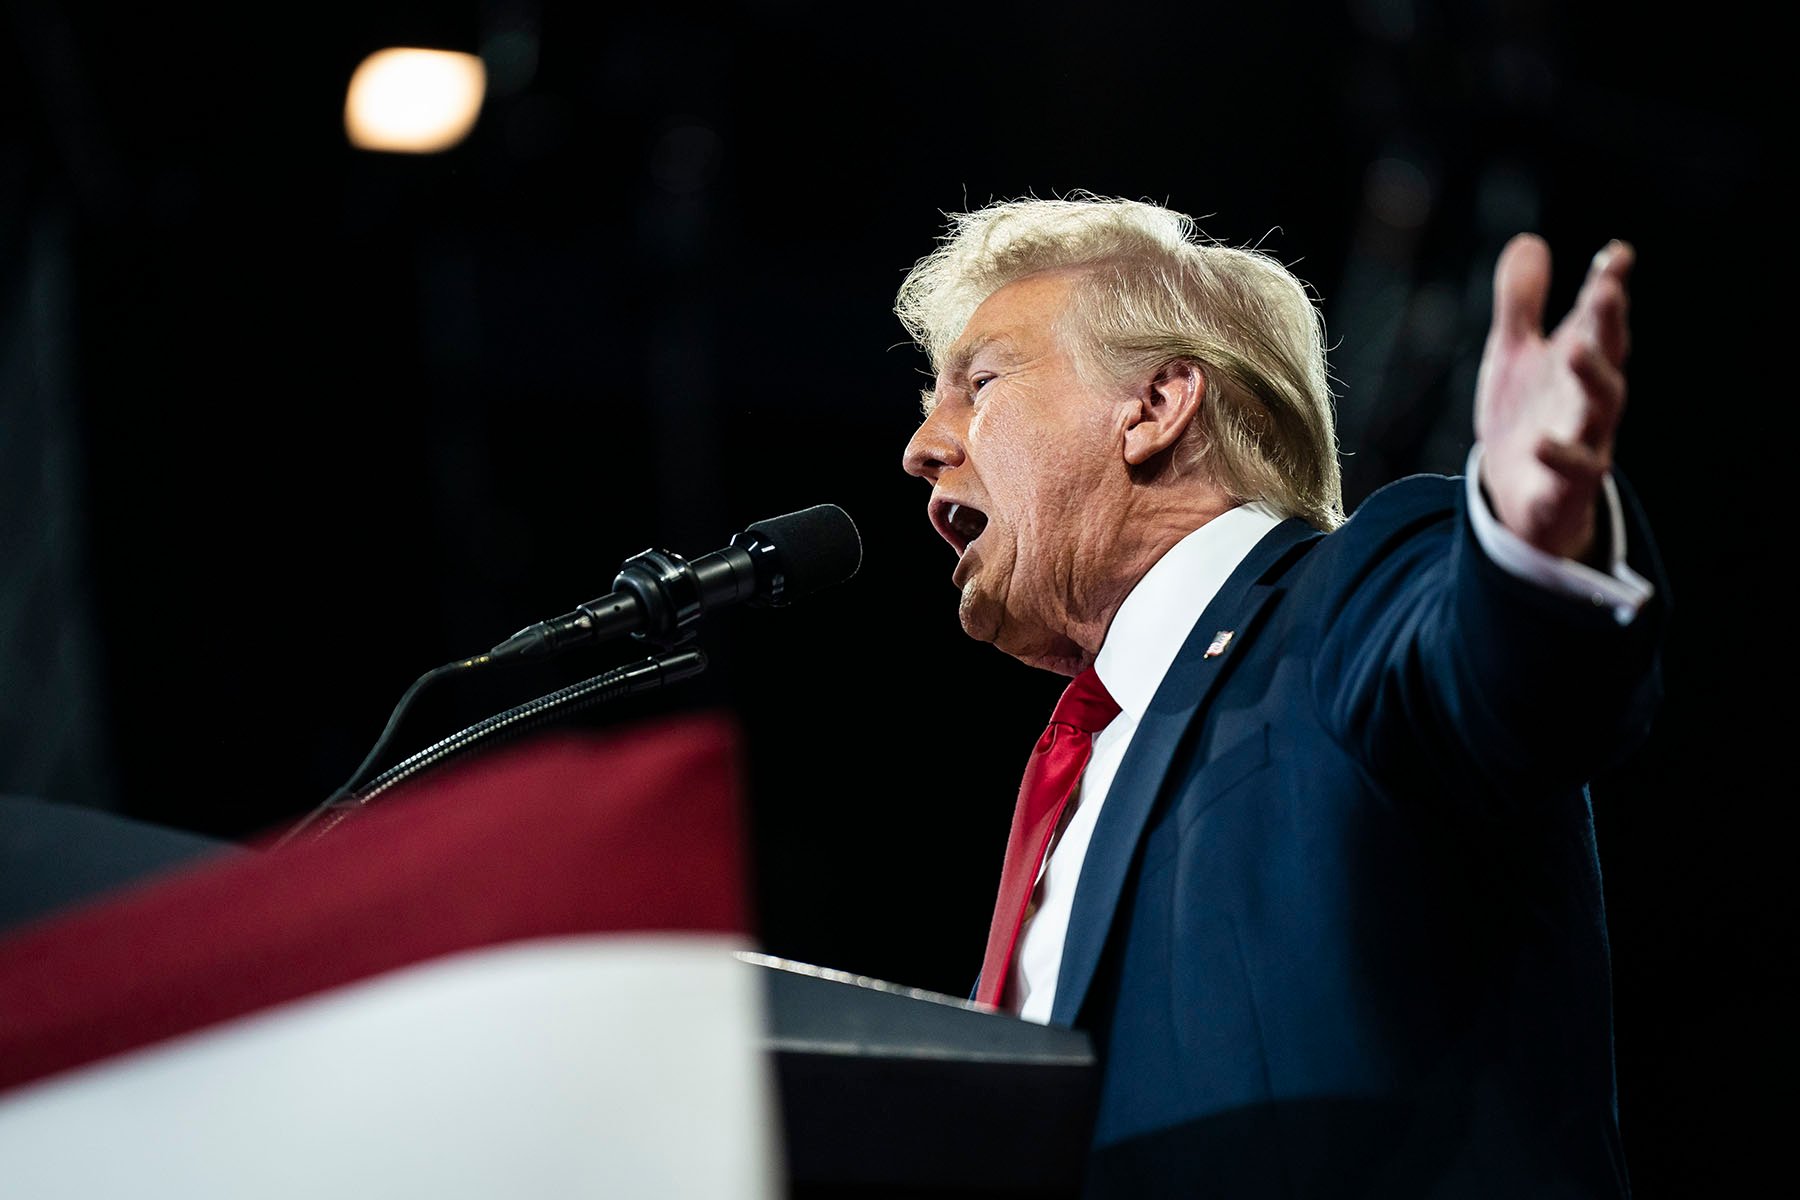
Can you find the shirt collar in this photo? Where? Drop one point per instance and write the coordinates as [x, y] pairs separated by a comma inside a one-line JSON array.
[[1148, 630]]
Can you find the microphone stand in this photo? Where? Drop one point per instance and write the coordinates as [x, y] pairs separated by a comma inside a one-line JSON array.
[[667, 666], [657, 597]]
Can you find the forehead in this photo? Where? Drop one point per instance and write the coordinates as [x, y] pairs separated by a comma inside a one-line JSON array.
[[1020, 318]]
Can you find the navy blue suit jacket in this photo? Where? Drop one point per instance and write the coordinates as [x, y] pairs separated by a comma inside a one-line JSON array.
[[1339, 931]]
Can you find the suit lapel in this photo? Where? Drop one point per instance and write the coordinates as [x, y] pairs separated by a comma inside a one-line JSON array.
[[1183, 695]]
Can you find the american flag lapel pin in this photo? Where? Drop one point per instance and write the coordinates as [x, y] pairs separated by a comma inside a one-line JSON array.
[[1220, 640]]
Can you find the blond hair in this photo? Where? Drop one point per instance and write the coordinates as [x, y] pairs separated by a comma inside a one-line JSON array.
[[1152, 291]]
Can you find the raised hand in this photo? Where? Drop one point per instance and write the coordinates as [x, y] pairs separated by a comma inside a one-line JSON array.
[[1547, 408]]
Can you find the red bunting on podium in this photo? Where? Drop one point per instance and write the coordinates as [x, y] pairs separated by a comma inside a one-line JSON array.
[[564, 835]]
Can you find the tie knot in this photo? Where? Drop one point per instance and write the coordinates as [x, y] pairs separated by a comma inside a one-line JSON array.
[[1085, 704]]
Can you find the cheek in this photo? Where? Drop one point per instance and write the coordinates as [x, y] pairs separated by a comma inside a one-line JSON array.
[[1050, 486], [1018, 463], [1040, 474]]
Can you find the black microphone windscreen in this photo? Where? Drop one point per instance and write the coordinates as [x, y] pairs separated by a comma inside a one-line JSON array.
[[818, 546]]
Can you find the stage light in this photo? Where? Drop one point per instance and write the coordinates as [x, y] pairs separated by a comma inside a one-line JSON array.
[[411, 101]]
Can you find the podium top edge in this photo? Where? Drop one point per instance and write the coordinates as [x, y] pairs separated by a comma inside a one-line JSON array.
[[867, 982]]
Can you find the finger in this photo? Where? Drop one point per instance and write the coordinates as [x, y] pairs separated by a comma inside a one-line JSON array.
[[1615, 260], [1574, 462], [1602, 308], [1521, 283], [1604, 386]]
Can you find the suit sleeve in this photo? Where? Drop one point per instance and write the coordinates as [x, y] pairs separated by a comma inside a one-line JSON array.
[[1435, 664]]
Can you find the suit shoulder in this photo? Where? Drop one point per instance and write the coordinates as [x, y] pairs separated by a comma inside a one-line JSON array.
[[1415, 507], [1406, 500]]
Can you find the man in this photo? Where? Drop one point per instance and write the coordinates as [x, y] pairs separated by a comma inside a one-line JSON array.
[[1318, 865]]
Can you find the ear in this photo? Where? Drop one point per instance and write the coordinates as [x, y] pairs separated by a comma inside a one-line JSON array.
[[1163, 409]]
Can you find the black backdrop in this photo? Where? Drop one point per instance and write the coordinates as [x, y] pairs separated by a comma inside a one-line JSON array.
[[288, 423]]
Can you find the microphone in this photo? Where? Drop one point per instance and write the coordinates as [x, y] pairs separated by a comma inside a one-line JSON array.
[[658, 592]]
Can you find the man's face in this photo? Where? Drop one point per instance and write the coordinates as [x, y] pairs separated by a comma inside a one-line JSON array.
[[1025, 464]]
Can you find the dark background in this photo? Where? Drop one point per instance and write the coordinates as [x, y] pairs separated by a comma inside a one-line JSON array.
[[285, 423]]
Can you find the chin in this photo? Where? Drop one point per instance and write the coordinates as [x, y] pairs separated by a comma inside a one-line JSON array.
[[980, 614]]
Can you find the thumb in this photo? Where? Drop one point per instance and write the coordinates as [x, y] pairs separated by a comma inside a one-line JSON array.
[[1521, 285]]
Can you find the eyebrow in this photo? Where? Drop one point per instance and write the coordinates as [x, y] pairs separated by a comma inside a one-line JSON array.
[[957, 365]]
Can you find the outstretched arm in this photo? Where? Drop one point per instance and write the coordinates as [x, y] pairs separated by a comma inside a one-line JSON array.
[[1547, 408], [1516, 648]]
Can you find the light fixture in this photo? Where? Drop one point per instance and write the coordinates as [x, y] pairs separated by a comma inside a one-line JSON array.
[[411, 101]]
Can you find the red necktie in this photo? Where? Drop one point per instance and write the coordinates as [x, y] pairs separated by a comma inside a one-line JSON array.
[[1056, 763]]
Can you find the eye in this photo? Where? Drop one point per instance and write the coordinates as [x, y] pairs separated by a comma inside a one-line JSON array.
[[977, 382]]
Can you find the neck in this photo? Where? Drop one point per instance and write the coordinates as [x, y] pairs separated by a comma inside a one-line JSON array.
[[1147, 533]]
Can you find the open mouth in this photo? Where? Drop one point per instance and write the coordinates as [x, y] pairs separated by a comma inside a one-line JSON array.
[[960, 524]]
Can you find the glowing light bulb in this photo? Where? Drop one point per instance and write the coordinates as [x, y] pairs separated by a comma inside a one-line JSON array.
[[411, 101]]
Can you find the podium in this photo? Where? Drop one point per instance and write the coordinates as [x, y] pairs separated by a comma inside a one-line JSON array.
[[530, 976], [886, 1087]]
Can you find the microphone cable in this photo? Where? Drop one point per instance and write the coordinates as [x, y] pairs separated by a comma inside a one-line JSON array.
[[625, 680]]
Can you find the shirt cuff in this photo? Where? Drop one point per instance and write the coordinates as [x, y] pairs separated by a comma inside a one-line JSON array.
[[1620, 587]]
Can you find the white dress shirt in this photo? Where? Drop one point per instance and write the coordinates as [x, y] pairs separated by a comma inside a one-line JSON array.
[[1148, 631]]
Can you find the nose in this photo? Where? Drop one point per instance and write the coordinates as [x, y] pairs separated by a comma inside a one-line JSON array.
[[935, 445]]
